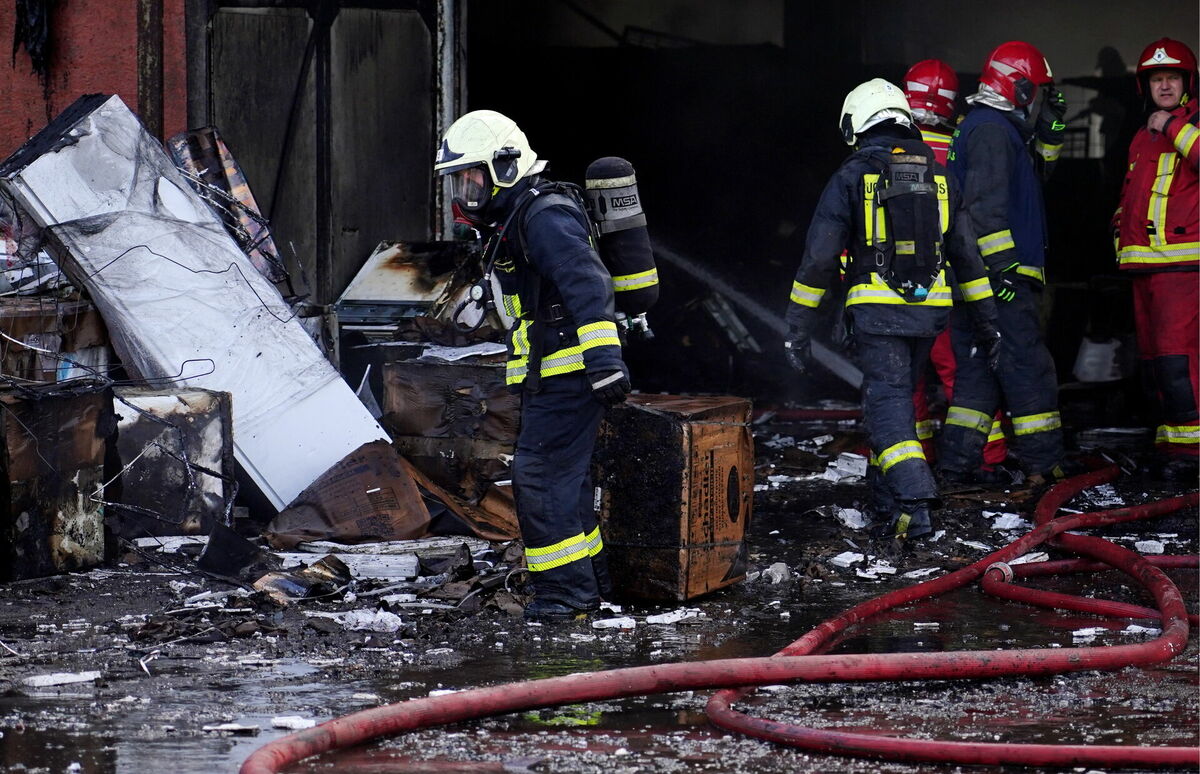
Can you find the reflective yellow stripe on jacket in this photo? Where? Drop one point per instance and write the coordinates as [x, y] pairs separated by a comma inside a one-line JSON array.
[[1156, 212], [560, 361], [1176, 252], [876, 291]]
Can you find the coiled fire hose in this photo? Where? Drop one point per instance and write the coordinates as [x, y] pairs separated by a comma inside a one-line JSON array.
[[798, 663]]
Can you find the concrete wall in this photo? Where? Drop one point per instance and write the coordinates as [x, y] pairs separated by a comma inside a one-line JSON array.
[[94, 48]]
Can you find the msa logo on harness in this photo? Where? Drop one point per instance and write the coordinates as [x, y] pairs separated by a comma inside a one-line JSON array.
[[906, 213]]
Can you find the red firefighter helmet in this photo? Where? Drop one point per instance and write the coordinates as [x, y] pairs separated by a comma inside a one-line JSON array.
[[1015, 70], [1167, 54], [931, 85]]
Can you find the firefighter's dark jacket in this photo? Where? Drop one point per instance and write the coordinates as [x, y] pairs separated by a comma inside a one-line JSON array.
[[558, 290], [841, 222], [994, 169]]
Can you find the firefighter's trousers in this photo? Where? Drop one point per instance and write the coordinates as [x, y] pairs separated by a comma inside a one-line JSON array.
[[554, 494], [1025, 382], [890, 367], [1166, 308]]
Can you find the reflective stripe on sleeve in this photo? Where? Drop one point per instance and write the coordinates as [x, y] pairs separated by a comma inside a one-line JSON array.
[[597, 334], [806, 295], [968, 418], [991, 244], [1186, 139], [1036, 272], [1048, 152], [563, 552], [976, 290], [1036, 423]]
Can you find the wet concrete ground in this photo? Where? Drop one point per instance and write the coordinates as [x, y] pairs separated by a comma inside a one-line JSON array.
[[146, 711]]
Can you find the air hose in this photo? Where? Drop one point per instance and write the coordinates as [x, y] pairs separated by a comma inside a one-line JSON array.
[[797, 663]]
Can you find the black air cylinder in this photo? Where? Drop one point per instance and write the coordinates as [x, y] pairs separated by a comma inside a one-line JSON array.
[[616, 207]]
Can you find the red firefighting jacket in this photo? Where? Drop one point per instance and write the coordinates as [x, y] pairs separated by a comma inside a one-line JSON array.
[[1157, 226]]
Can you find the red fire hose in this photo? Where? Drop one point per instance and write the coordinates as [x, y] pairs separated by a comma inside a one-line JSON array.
[[795, 664]]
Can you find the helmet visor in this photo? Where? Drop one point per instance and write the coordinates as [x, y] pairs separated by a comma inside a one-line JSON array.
[[469, 186]]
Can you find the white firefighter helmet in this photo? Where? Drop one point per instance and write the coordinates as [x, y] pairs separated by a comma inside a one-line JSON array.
[[872, 103], [486, 138]]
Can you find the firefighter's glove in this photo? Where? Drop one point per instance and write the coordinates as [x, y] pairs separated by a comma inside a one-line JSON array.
[[609, 387], [987, 344], [1004, 286], [798, 349], [1050, 125]]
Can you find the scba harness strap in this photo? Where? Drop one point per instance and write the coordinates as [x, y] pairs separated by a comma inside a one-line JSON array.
[[905, 215]]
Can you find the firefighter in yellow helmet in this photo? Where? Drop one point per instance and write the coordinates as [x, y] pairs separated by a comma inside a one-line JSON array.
[[564, 354], [892, 207]]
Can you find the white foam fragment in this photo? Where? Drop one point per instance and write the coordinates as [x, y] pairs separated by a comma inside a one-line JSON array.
[[974, 544], [292, 722], [851, 517], [1087, 634], [1036, 556], [675, 616], [926, 625], [1149, 546], [846, 558], [243, 729], [370, 620], [624, 622], [921, 573], [1135, 629], [777, 573], [1007, 521], [60, 678]]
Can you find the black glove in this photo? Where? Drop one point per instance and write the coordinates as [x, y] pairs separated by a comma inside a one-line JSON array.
[[1050, 124], [798, 349], [987, 343], [609, 387], [1004, 287]]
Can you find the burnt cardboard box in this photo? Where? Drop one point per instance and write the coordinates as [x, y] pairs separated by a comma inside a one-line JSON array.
[[675, 477], [176, 451], [456, 422], [51, 479]]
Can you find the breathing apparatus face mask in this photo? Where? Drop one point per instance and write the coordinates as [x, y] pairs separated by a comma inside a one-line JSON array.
[[1034, 109], [470, 190]]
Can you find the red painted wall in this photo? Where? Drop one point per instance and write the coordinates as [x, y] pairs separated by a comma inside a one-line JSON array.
[[93, 49]]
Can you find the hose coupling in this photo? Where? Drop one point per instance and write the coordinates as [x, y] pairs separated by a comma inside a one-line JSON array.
[[1006, 572]]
